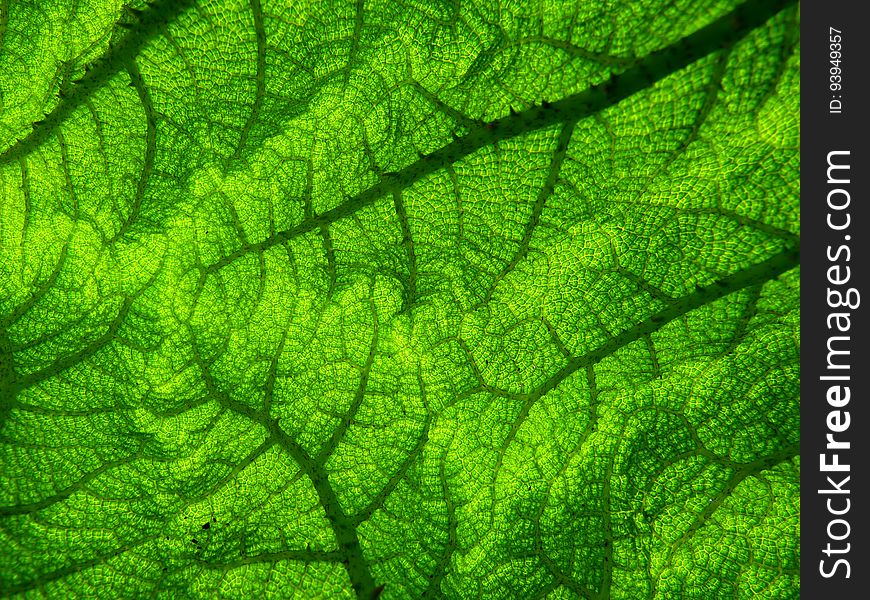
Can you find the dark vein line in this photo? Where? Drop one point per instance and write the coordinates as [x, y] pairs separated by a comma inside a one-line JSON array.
[[237, 469], [721, 33], [67, 176], [712, 93], [408, 244], [606, 507], [323, 229], [4, 20], [755, 274], [541, 201], [44, 578], [745, 221], [64, 363], [348, 418], [752, 275], [272, 374], [342, 526], [575, 51], [307, 556], [433, 590], [609, 538], [744, 471], [329, 251], [15, 384], [554, 336], [378, 500], [561, 577], [643, 285], [742, 220], [257, 12], [54, 333], [8, 391], [148, 24], [150, 149], [653, 356], [456, 192], [98, 132], [792, 37], [743, 325], [23, 509], [478, 374], [41, 290], [28, 208], [461, 118], [57, 412], [354, 40], [714, 86]]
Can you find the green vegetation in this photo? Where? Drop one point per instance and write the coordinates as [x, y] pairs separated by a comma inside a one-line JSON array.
[[399, 299]]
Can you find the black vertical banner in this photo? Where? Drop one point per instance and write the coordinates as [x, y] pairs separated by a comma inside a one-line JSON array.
[[835, 370]]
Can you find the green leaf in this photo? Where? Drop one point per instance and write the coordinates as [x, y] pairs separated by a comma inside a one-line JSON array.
[[399, 300]]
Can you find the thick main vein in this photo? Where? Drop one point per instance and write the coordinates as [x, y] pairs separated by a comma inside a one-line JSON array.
[[721, 34], [753, 275], [147, 24]]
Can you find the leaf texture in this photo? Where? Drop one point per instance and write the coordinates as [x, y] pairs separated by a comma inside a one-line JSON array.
[[399, 299]]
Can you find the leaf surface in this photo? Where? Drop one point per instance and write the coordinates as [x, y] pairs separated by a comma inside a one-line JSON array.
[[399, 300]]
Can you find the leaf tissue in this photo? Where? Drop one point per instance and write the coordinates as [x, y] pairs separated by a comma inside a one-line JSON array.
[[399, 299]]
